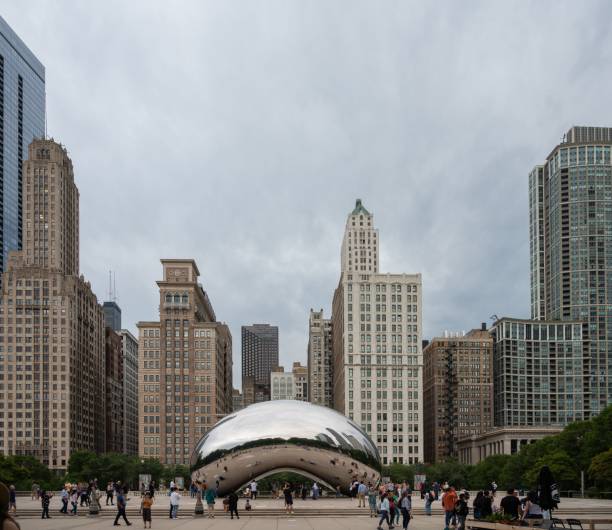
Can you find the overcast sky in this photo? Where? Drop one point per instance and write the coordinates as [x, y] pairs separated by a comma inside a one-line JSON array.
[[241, 133]]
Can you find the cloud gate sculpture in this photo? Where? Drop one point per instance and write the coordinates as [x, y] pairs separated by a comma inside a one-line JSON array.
[[275, 436]]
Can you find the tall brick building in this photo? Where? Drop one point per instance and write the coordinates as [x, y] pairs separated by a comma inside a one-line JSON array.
[[52, 365], [185, 367]]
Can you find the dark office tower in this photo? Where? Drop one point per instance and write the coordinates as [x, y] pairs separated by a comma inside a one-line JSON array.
[[22, 118], [112, 315], [570, 205], [259, 358]]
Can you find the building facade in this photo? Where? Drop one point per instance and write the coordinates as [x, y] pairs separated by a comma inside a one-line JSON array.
[[113, 346], [185, 367], [129, 349], [457, 391], [320, 359], [540, 370], [501, 441], [377, 355], [282, 384], [112, 315], [22, 118], [259, 358], [237, 401], [570, 208], [52, 361], [300, 381]]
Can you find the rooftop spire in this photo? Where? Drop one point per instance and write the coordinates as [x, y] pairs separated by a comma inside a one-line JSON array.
[[359, 208]]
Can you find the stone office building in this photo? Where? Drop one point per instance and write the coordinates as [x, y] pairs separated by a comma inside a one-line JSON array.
[[320, 359], [376, 322], [52, 364], [185, 367]]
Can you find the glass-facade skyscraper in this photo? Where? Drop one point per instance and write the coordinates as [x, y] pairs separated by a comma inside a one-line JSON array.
[[22, 118], [570, 209]]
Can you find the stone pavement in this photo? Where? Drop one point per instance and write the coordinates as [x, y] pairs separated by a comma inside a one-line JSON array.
[[225, 523]]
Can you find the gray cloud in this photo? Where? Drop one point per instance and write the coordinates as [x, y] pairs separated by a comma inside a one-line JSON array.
[[240, 133]]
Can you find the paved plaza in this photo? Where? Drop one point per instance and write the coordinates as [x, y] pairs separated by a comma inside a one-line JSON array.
[[333, 513]]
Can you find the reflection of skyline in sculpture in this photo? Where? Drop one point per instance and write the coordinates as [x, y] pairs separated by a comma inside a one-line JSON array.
[[274, 436]]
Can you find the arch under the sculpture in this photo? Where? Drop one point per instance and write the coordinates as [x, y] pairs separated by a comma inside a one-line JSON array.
[[288, 470]]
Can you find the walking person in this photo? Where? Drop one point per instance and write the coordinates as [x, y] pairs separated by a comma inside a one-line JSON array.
[[35, 491], [362, 491], [64, 498], [121, 505], [233, 505], [175, 499], [406, 508], [45, 500], [315, 491], [288, 498], [12, 499], [254, 490], [462, 510], [6, 520], [384, 512], [429, 498], [74, 500], [210, 501], [145, 508], [372, 498], [110, 490], [449, 499]]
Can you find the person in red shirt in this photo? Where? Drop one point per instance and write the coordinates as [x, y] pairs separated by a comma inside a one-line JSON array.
[[448, 503]]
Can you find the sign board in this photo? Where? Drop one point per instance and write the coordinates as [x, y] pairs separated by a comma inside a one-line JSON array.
[[180, 482], [418, 480], [144, 479]]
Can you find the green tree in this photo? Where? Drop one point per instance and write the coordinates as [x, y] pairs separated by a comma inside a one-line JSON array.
[[487, 471], [600, 469], [562, 466]]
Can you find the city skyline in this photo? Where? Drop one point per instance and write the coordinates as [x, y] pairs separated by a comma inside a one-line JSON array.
[[251, 276]]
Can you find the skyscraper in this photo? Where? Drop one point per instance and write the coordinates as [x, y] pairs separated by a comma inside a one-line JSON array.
[[52, 366], [259, 358], [22, 118], [112, 315], [185, 367], [377, 357], [320, 359], [457, 391], [570, 206], [129, 350]]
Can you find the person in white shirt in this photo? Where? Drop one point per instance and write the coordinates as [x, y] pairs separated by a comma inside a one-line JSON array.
[[175, 499], [253, 490]]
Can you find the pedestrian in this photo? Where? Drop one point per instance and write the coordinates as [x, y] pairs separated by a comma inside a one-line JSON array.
[[152, 489], [511, 505], [362, 491], [392, 507], [547, 492], [142, 489], [175, 499], [12, 499], [372, 498], [35, 491], [247, 505], [448, 504], [45, 499], [6, 520], [288, 498], [210, 501], [305, 491], [74, 500], [145, 508], [315, 491], [429, 498], [233, 505], [254, 490], [121, 505], [406, 508], [533, 510], [110, 490], [64, 498], [462, 510], [384, 512]]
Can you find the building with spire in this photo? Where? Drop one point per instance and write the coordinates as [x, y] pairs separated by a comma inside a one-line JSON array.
[[52, 364], [377, 356]]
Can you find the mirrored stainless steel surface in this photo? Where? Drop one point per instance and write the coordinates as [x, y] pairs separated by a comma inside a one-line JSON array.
[[285, 435]]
